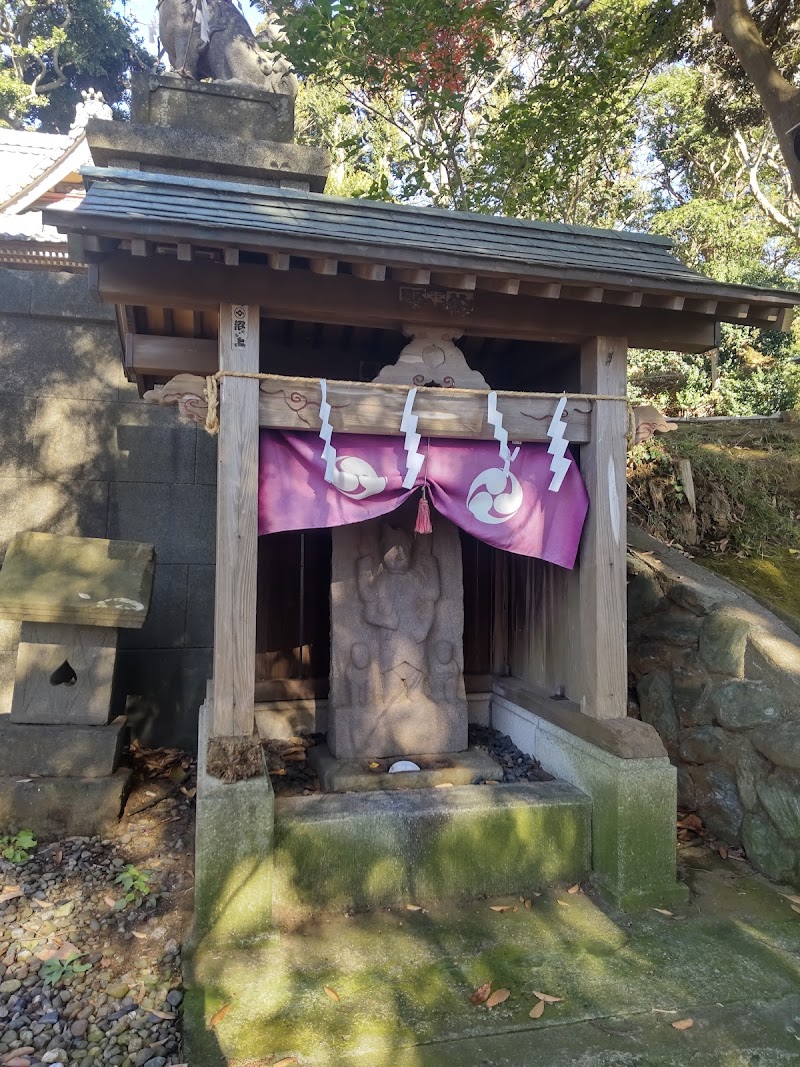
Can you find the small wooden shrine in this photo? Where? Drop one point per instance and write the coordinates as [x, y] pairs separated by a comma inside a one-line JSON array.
[[446, 336]]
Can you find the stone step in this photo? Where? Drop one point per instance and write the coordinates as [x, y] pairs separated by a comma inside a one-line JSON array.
[[363, 850], [53, 807], [52, 751]]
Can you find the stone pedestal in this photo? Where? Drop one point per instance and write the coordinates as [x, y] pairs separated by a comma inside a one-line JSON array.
[[58, 752], [64, 674], [397, 624]]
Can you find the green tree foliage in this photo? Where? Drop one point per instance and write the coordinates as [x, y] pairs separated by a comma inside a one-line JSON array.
[[50, 50], [618, 113]]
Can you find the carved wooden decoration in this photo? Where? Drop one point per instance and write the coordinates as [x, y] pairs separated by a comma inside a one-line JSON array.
[[431, 357], [185, 390]]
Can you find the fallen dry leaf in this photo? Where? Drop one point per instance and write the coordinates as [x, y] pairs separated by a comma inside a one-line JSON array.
[[574, 888], [501, 907], [723, 852], [793, 898], [109, 901], [498, 997], [413, 907], [332, 993], [795, 907], [563, 903], [373, 766], [218, 1016], [163, 1014], [138, 934], [287, 1061], [663, 911], [190, 793], [682, 1024], [59, 855], [10, 893], [481, 994], [280, 771], [537, 1011], [528, 905], [546, 998]]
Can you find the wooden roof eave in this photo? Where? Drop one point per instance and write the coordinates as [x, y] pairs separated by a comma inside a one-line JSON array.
[[724, 303]]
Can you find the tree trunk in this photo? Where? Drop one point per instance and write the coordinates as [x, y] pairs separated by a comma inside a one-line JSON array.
[[779, 97]]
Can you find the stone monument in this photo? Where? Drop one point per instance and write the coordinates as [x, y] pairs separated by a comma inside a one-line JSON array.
[[59, 753], [397, 623]]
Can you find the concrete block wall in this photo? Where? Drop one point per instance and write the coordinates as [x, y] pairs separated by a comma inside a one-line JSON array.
[[80, 453]]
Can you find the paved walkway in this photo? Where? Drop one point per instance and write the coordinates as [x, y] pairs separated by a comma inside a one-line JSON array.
[[729, 961]]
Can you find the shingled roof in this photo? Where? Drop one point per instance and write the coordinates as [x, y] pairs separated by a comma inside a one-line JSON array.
[[491, 250]]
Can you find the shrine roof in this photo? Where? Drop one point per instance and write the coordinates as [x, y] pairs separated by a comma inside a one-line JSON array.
[[159, 207]]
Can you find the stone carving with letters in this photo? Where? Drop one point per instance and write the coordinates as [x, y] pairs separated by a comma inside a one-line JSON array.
[[397, 622], [212, 39]]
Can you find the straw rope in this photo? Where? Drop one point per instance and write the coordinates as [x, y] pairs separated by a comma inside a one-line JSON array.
[[212, 391]]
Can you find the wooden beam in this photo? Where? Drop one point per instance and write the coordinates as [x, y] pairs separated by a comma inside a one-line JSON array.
[[349, 301], [367, 407], [601, 569], [542, 290], [632, 299], [76, 247], [453, 280], [668, 303], [509, 286], [237, 525], [733, 311], [164, 357], [278, 260], [140, 247], [591, 294], [184, 252], [324, 266], [231, 257], [369, 272], [702, 307], [411, 277]]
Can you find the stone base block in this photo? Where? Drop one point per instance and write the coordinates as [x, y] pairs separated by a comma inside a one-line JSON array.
[[364, 850], [55, 807], [60, 751], [64, 674], [357, 776], [634, 805], [233, 854]]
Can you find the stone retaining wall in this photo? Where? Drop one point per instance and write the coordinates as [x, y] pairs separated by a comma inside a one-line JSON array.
[[80, 453], [719, 677]]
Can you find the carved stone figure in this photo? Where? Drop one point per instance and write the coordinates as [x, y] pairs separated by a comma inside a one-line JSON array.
[[212, 39], [399, 598], [358, 675], [397, 623], [443, 672]]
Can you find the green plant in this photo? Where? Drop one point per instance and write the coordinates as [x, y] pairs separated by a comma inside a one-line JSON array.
[[136, 885], [54, 971], [18, 847]]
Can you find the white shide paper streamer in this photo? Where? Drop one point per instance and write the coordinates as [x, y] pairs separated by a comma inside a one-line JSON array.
[[495, 420], [557, 448], [326, 432], [414, 458]]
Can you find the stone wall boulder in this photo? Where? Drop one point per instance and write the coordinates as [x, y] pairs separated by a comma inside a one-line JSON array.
[[718, 676]]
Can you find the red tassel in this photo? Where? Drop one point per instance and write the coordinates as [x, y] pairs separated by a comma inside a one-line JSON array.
[[423, 524]]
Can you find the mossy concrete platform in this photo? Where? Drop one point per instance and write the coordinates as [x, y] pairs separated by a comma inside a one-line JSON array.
[[470, 767], [343, 851], [54, 807], [233, 854], [729, 960]]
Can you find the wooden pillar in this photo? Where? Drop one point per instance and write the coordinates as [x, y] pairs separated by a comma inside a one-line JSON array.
[[601, 578], [237, 525]]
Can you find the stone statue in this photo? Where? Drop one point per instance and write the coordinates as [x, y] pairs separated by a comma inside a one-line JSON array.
[[443, 672], [397, 626], [358, 674], [399, 597], [212, 39]]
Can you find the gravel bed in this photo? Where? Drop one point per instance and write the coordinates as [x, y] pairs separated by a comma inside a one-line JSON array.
[[517, 765], [125, 1010]]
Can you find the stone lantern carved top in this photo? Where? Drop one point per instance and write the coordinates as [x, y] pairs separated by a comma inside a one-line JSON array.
[[87, 581], [431, 356], [92, 106], [212, 39]]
